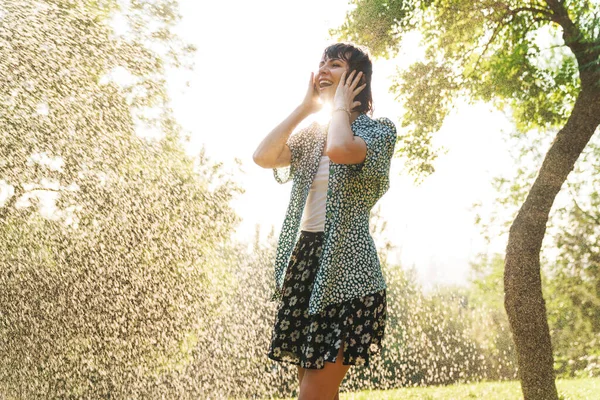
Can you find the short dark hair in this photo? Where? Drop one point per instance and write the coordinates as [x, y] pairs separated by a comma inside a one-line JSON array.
[[358, 59]]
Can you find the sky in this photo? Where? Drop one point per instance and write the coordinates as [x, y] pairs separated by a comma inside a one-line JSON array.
[[251, 69]]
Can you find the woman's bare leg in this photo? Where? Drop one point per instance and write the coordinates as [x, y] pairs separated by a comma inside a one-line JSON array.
[[323, 384], [301, 375]]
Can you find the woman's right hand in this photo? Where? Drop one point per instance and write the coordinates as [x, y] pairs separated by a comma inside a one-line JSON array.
[[311, 103]]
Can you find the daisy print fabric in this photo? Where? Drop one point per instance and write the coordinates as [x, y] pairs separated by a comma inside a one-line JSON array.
[[310, 341], [349, 266]]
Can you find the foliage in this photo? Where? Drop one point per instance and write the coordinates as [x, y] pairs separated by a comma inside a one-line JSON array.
[[508, 52], [230, 359], [575, 272], [106, 235], [485, 295]]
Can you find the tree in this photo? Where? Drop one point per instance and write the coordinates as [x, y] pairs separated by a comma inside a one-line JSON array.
[[106, 235], [569, 257], [538, 58]]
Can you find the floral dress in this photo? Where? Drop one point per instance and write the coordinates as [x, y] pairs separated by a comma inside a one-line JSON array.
[[329, 285], [310, 340]]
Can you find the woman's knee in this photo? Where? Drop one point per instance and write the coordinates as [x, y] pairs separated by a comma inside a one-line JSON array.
[[315, 393]]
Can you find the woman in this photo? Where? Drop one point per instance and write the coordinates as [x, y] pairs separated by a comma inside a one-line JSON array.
[[329, 284]]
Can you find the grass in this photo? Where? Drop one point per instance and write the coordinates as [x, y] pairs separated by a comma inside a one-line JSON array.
[[576, 389], [568, 389]]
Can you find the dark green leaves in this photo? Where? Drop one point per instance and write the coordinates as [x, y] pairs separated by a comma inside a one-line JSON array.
[[510, 53]]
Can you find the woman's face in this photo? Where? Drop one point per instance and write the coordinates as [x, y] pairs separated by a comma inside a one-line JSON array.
[[328, 77]]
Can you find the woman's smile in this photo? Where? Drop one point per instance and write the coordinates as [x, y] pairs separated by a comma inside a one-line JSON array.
[[324, 83]]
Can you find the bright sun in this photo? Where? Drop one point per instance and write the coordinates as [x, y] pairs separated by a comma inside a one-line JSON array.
[[324, 115]]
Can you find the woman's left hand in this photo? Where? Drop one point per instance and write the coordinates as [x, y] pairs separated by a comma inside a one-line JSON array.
[[347, 90]]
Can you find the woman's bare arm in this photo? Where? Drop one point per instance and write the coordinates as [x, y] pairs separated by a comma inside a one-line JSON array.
[[273, 152], [342, 146]]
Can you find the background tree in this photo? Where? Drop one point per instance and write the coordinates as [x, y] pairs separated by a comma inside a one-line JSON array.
[[569, 256], [537, 58], [105, 235], [485, 298], [575, 277]]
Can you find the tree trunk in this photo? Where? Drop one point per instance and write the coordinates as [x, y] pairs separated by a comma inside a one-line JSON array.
[[523, 300]]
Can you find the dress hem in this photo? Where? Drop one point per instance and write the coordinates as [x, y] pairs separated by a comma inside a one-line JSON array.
[[281, 359]]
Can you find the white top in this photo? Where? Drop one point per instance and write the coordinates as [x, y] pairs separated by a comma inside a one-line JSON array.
[[313, 217]]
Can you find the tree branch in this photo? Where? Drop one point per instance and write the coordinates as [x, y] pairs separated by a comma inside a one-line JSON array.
[[587, 214], [571, 33], [46, 189], [502, 23], [10, 203], [532, 10], [487, 45]]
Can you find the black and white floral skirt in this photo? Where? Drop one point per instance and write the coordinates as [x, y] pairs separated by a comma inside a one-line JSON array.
[[310, 340]]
